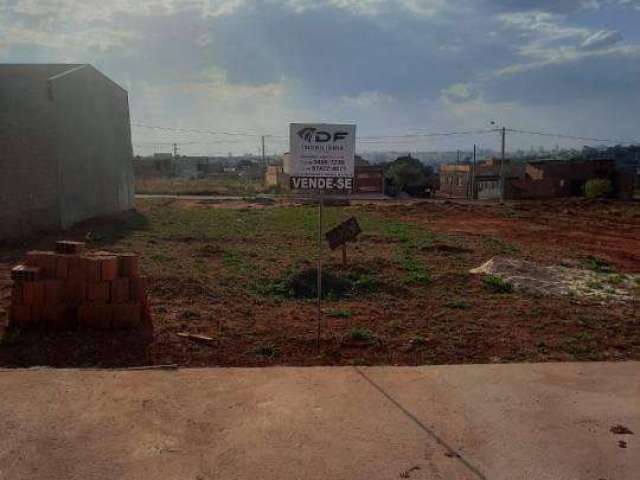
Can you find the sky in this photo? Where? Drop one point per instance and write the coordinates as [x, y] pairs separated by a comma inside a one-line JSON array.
[[392, 67]]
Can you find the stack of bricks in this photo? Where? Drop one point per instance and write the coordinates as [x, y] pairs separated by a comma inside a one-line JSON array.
[[69, 289]]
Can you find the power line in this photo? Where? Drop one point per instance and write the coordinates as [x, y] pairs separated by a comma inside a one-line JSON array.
[[366, 137], [374, 139], [194, 130], [428, 135], [572, 137]]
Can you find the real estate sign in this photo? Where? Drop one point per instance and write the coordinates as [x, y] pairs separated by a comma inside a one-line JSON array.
[[322, 156]]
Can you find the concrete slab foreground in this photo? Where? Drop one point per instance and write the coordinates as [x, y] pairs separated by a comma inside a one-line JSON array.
[[543, 421]]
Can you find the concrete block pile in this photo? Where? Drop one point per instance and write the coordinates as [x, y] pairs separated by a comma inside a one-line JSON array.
[[71, 288]]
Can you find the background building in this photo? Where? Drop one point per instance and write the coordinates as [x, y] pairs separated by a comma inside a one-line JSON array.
[[66, 147]]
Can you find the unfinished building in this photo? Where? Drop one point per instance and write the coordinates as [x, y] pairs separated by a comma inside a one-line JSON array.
[[67, 153]]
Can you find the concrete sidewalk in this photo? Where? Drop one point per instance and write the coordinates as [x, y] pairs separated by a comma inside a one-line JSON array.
[[543, 421]]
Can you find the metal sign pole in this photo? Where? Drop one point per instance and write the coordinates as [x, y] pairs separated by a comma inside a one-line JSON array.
[[319, 313]]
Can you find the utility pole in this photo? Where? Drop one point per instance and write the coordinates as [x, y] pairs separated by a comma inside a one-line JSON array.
[[503, 131], [473, 177], [174, 169], [175, 158], [264, 158]]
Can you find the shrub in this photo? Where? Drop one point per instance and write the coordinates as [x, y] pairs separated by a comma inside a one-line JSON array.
[[598, 265], [339, 313], [497, 284], [266, 351], [361, 334], [597, 187], [302, 284]]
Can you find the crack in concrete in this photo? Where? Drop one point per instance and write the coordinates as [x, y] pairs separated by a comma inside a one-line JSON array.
[[449, 451]]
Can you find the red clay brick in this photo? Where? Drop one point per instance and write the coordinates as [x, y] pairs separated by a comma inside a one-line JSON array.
[[108, 268], [120, 290], [37, 313], [127, 315], [44, 260], [128, 265], [53, 291], [138, 289], [92, 269], [103, 316], [96, 316], [23, 273], [74, 292], [77, 269], [17, 297], [82, 315], [62, 266], [33, 293], [70, 247], [57, 317], [100, 291], [20, 316]]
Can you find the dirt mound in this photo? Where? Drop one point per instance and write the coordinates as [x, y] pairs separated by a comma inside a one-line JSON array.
[[559, 280]]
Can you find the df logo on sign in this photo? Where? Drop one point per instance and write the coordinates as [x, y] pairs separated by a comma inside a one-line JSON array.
[[310, 134]]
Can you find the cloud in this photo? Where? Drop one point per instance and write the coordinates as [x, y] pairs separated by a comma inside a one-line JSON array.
[[389, 65], [459, 92], [368, 99], [601, 39]]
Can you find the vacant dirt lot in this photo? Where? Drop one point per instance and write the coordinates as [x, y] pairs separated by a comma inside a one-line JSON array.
[[244, 276]]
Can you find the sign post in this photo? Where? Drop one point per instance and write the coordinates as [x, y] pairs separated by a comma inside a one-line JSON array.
[[319, 278], [322, 159]]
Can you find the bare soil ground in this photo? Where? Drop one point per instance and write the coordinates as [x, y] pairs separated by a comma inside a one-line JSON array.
[[406, 297]]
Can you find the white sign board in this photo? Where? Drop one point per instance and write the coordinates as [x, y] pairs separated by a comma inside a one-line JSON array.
[[322, 156]]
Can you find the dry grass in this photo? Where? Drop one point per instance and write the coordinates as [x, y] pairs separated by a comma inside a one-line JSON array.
[[218, 185]]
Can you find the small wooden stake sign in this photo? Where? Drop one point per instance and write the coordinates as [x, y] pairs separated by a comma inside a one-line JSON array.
[[338, 236]]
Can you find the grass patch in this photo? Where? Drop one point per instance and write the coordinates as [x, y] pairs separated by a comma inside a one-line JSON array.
[[416, 273], [497, 284], [269, 351], [339, 313], [231, 259], [222, 184], [10, 337], [615, 279], [359, 334], [595, 285], [303, 284], [499, 247], [598, 265]]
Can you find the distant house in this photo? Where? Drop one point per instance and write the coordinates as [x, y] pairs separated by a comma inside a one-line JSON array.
[[276, 177], [560, 178], [488, 185], [455, 180], [156, 166], [368, 179], [66, 151]]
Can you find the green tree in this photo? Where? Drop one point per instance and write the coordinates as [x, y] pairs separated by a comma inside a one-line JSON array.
[[597, 187], [407, 172]]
